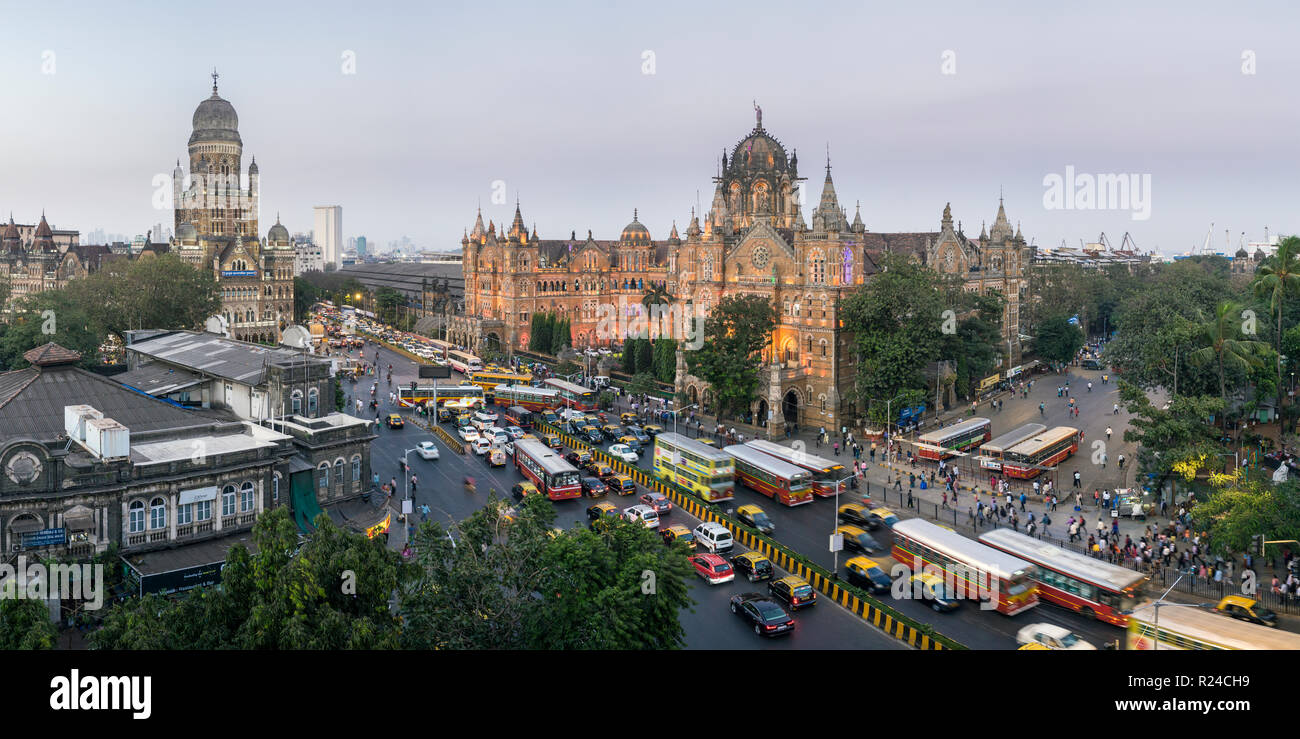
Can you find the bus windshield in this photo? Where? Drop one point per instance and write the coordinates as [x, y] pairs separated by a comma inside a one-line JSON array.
[[565, 479]]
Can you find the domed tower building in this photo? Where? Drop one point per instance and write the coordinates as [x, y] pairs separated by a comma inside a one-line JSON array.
[[216, 219]]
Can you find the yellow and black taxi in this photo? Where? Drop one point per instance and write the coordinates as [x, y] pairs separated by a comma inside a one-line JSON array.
[[1246, 609], [794, 590], [602, 514], [713, 568], [550, 417], [856, 514], [652, 429], [866, 573], [590, 434], [929, 586], [627, 418], [552, 440], [593, 487], [444, 415], [578, 458], [764, 614], [677, 532], [599, 468], [611, 431], [752, 515], [497, 457], [520, 489], [631, 441], [884, 517], [464, 419], [621, 484], [394, 421], [753, 566], [858, 539]]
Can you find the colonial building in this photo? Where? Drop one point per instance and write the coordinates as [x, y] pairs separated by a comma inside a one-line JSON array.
[[35, 259], [216, 227], [754, 239]]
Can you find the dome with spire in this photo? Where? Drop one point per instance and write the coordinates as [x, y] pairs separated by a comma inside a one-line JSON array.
[[186, 232], [278, 233], [634, 232], [215, 119]]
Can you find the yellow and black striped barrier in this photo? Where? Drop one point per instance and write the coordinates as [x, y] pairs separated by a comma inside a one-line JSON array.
[[456, 444], [910, 631]]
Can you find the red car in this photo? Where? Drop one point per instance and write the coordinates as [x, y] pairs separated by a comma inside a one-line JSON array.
[[713, 568], [659, 502]]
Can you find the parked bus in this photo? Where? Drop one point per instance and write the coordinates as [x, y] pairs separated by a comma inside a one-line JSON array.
[[440, 348], [971, 569], [532, 398], [991, 452], [1090, 586], [489, 380], [705, 471], [573, 396], [440, 394], [545, 468], [1183, 627], [778, 480], [464, 362], [1030, 457], [518, 416], [941, 443], [825, 473]]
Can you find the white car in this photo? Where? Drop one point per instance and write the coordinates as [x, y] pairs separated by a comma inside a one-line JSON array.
[[644, 514], [625, 453], [515, 432], [1052, 637], [481, 446], [497, 435], [468, 434], [508, 448], [427, 450]]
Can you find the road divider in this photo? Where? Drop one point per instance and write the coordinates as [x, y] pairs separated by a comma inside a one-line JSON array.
[[456, 444], [897, 625]]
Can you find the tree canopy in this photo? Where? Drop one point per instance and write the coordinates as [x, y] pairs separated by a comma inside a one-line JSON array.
[[734, 336]]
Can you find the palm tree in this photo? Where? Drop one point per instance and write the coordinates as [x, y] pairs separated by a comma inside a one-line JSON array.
[[1277, 281], [1218, 341], [657, 295]]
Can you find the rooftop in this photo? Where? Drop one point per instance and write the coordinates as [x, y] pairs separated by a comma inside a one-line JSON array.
[[214, 355]]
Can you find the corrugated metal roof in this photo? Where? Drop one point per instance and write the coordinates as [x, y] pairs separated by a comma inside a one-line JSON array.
[[217, 356]]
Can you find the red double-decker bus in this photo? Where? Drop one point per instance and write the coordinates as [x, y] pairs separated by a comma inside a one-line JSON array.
[[1083, 584], [1029, 458], [545, 468], [941, 443], [825, 473], [770, 476]]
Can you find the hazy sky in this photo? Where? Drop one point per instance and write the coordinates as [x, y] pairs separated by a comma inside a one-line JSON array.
[[553, 100]]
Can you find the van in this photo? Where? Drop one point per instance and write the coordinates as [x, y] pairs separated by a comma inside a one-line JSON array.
[[714, 537]]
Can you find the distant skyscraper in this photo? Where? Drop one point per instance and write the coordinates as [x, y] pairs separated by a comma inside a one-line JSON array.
[[361, 247], [328, 233]]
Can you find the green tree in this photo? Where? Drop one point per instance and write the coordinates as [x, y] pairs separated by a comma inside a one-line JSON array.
[[630, 353], [665, 360], [642, 383], [161, 292], [1247, 508], [1278, 280], [560, 337], [734, 337], [305, 295], [656, 300], [1178, 436], [645, 356], [50, 316], [502, 579], [1217, 341], [25, 624], [1058, 340], [545, 323], [387, 304]]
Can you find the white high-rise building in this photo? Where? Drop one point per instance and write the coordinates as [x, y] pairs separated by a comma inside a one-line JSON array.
[[328, 233]]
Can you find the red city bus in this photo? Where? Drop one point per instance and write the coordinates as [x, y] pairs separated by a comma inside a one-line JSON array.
[[1083, 584], [941, 443], [991, 452], [770, 476], [526, 396], [545, 468], [573, 396], [1029, 458], [970, 569], [825, 473], [517, 416]]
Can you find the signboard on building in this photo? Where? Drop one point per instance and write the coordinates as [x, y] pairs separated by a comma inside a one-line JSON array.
[[989, 382], [175, 581], [45, 538], [239, 273]]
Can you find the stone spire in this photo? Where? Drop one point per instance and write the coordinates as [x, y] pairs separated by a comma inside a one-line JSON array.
[[947, 217], [1018, 236], [1001, 226], [694, 228], [479, 232], [827, 216], [517, 228], [983, 234], [858, 226]]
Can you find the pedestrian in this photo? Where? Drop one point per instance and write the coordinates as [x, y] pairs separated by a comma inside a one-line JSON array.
[[911, 483], [1103, 460], [1108, 433], [1115, 410], [837, 449], [414, 481], [1078, 479], [909, 498], [1121, 461], [1023, 498]]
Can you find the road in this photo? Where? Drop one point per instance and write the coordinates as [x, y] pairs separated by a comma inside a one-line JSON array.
[[709, 625]]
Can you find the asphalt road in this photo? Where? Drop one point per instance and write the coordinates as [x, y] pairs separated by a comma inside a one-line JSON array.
[[709, 625]]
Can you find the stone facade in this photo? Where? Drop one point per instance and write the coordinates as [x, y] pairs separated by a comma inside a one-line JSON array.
[[752, 240]]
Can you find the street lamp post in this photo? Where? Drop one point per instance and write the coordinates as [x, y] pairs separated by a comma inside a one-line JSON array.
[[680, 411], [835, 570], [406, 472], [1162, 603]]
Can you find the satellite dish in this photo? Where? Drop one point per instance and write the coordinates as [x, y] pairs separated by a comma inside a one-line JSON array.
[[217, 325], [297, 337]]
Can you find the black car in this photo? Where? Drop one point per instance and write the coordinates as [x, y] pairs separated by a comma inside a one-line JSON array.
[[763, 613], [594, 487], [795, 591], [593, 436]]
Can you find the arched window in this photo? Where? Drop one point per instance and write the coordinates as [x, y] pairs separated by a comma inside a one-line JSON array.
[[246, 497], [228, 500], [338, 471], [847, 264], [157, 513], [312, 397], [823, 343], [324, 475], [296, 401], [136, 517]]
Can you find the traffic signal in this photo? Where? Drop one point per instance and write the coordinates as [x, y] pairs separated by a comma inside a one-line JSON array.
[[412, 385], [1257, 545]]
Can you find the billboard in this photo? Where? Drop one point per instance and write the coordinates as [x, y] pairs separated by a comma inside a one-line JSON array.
[[239, 273], [434, 371]]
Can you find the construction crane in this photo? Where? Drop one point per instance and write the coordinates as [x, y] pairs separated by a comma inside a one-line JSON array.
[[1105, 241], [1128, 244], [1209, 234]]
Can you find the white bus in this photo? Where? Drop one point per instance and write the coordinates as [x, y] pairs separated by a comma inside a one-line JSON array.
[[464, 362]]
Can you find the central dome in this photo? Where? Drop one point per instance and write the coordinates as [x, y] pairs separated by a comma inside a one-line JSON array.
[[758, 152], [215, 120], [635, 232]]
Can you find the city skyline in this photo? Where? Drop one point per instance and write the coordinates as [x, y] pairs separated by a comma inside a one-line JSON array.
[[602, 111]]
